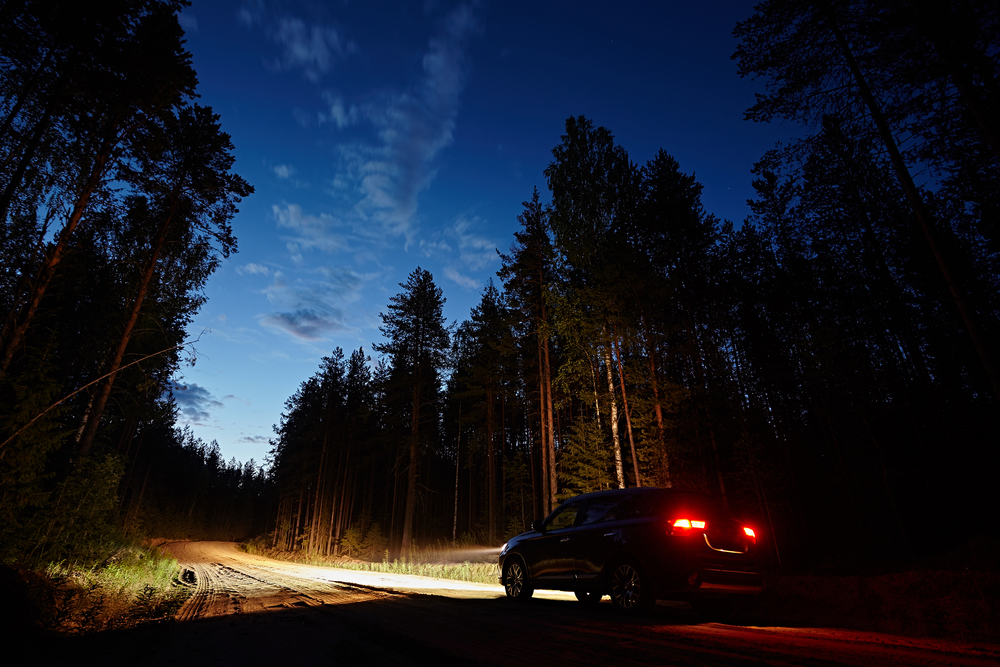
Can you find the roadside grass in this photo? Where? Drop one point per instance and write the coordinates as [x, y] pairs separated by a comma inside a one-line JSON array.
[[434, 561], [479, 573], [132, 586]]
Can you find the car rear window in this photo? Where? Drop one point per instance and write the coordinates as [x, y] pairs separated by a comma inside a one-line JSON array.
[[685, 502]]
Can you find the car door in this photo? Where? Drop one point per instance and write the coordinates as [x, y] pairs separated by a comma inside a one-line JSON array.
[[597, 536], [552, 551]]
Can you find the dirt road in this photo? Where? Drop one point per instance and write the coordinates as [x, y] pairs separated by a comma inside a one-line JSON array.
[[247, 610]]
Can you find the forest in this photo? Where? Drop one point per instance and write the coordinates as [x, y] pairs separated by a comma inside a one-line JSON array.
[[827, 367]]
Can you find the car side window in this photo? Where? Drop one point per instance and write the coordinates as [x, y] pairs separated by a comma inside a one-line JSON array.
[[564, 517], [633, 506], [600, 510]]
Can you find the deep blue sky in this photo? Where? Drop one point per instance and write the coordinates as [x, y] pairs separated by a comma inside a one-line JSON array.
[[382, 136]]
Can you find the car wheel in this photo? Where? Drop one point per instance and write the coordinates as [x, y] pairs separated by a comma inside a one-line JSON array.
[[629, 587], [515, 581], [588, 597]]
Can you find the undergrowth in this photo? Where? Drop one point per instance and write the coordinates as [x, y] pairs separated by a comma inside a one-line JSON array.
[[132, 586]]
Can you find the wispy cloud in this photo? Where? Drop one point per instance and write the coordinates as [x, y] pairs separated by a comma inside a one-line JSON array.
[[463, 251], [311, 309], [463, 280], [312, 48], [250, 13], [306, 323], [413, 127], [284, 171], [194, 402], [477, 252], [253, 269], [338, 112], [309, 231]]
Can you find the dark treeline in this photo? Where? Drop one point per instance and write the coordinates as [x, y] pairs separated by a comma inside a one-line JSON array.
[[115, 204], [827, 368]]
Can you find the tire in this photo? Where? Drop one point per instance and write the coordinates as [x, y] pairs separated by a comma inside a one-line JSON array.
[[630, 590], [588, 597], [515, 581]]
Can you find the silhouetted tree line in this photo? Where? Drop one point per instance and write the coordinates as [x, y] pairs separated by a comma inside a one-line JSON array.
[[116, 197], [827, 368]]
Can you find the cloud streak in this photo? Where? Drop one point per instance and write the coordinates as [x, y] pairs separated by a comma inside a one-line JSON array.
[[309, 231], [312, 48], [194, 402], [413, 127], [311, 310]]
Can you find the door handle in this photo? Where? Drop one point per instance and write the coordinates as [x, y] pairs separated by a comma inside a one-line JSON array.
[[609, 534], [565, 539]]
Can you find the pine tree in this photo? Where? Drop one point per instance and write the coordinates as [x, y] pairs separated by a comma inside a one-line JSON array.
[[417, 343]]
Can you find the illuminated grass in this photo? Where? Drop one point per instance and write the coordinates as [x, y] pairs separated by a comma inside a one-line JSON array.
[[479, 573], [127, 572], [134, 585], [431, 562]]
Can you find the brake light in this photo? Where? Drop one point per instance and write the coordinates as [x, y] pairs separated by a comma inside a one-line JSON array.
[[685, 526], [749, 533]]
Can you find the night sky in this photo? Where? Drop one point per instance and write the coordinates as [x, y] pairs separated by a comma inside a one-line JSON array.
[[382, 136]]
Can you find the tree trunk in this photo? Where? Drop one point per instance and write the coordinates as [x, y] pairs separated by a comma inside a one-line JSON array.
[[546, 472], [657, 407], [20, 318], [628, 415], [491, 478], [406, 544], [917, 204], [551, 439], [615, 441], [458, 452], [318, 502], [92, 419]]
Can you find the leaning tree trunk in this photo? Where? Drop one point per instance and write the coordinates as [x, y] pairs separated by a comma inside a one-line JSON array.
[[92, 418], [20, 318], [917, 204]]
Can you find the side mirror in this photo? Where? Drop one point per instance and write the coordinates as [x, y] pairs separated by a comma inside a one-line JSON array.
[[537, 526]]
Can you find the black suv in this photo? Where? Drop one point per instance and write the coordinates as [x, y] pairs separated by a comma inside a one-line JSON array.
[[636, 545]]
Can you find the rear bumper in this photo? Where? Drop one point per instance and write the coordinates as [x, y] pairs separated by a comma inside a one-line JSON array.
[[729, 582], [705, 583]]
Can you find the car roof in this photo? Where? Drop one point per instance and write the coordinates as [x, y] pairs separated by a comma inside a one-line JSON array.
[[650, 492], [644, 490]]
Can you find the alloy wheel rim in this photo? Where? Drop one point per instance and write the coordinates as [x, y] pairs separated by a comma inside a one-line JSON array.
[[515, 580], [627, 586]]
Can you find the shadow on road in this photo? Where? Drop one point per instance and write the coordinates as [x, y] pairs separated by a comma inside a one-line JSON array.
[[405, 629]]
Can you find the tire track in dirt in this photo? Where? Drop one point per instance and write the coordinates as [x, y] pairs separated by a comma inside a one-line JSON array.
[[234, 587]]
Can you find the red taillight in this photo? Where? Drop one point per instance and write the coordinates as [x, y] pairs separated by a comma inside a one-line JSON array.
[[749, 533], [685, 526]]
